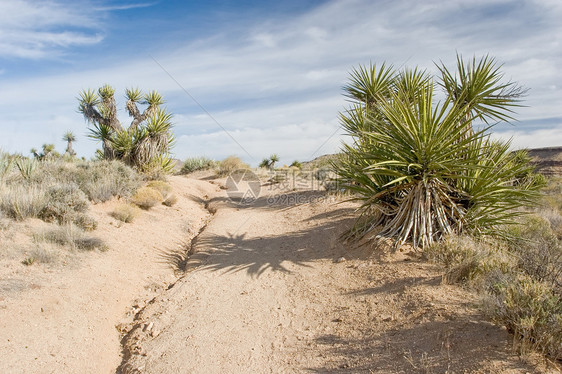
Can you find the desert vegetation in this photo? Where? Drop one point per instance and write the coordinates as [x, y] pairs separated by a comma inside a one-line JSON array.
[[520, 278], [427, 172], [58, 191], [145, 143], [229, 165], [269, 163], [425, 169], [193, 164]]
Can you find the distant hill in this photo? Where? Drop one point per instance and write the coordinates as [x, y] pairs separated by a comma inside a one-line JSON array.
[[547, 160], [319, 162]]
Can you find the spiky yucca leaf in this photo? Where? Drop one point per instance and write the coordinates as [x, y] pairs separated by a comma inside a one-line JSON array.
[[153, 98], [370, 84], [26, 167], [478, 84], [133, 94], [419, 168], [106, 91], [100, 132]]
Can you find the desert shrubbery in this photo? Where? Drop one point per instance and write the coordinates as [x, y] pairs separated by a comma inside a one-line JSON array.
[[197, 163], [63, 202], [19, 201], [72, 237], [531, 310], [99, 180], [521, 278], [125, 212], [147, 197], [230, 164], [60, 191]]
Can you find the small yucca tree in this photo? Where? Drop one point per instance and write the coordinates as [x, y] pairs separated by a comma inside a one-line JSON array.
[[424, 168], [145, 143], [69, 137]]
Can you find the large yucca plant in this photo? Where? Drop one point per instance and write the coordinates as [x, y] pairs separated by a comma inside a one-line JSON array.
[[424, 168], [146, 143]]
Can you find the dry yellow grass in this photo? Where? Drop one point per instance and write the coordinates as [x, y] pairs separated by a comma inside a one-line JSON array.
[[125, 212], [147, 197]]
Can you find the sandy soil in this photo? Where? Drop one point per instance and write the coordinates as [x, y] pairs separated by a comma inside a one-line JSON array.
[[264, 288], [271, 289], [63, 319]]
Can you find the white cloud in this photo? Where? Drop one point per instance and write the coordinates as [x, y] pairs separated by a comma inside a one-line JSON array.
[[35, 29], [550, 137], [125, 6], [276, 86]]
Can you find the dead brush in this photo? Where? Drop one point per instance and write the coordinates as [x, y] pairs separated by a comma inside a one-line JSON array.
[[147, 197], [126, 212]]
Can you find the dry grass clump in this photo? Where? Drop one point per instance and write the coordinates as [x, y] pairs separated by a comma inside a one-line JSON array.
[[44, 254], [147, 197], [71, 236], [125, 212], [99, 180], [164, 188], [103, 180], [63, 200], [466, 259], [20, 202], [230, 164]]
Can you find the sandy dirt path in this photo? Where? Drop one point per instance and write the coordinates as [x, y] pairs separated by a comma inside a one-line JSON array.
[[65, 320], [268, 292]]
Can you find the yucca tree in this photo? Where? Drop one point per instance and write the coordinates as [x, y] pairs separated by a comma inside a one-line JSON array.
[[424, 168], [69, 137], [145, 143], [273, 160]]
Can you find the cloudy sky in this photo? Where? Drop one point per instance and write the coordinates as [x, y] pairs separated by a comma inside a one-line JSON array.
[[256, 77]]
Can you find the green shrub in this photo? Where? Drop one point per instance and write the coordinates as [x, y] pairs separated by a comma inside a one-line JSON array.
[[532, 312], [125, 212], [147, 197], [297, 164], [196, 163], [230, 164]]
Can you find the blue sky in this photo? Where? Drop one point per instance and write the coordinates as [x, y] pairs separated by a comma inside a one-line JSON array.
[[270, 73]]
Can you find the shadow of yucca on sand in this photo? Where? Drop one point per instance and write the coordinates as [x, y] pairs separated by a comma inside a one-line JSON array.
[[239, 251]]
